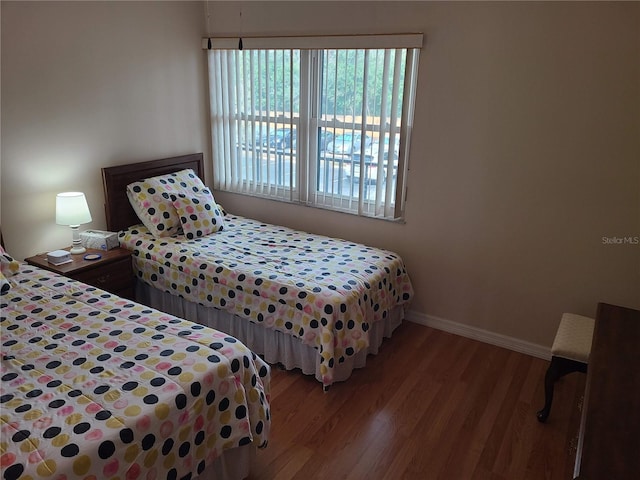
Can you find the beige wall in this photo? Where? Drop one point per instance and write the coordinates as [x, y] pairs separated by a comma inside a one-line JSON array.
[[526, 151], [87, 85]]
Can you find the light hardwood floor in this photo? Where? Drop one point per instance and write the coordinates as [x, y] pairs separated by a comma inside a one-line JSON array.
[[430, 405]]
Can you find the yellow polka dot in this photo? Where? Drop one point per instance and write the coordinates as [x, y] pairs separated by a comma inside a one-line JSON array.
[[211, 441], [131, 453], [197, 405], [26, 387], [254, 395], [223, 371], [179, 356], [81, 465], [169, 461], [201, 451], [112, 396], [186, 377], [152, 361], [16, 402], [225, 417], [61, 440], [30, 446], [33, 414], [147, 375], [151, 458], [132, 410], [211, 413], [200, 367], [88, 365], [162, 411], [46, 468], [184, 433], [114, 422], [73, 418], [3, 447], [239, 396], [82, 400], [140, 391], [125, 336]]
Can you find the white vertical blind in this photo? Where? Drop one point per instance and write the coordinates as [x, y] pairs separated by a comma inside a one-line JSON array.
[[327, 127]]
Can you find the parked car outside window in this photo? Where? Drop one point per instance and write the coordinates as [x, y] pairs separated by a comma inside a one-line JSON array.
[[348, 143]]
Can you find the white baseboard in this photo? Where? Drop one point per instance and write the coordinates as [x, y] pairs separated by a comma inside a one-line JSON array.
[[479, 334]]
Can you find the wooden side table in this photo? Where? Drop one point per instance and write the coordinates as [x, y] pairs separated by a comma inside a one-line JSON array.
[[113, 272]]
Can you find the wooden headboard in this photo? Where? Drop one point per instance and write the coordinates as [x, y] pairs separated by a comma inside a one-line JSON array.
[[118, 210]]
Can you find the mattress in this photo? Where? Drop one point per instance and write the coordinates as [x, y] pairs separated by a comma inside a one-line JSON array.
[[324, 291], [96, 386]]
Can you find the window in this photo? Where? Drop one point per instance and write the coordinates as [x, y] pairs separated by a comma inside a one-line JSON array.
[[326, 123]]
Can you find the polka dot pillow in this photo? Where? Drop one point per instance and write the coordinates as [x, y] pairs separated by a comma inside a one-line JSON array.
[[8, 268], [151, 199], [199, 214]]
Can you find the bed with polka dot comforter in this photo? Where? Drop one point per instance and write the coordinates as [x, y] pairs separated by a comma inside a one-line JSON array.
[[98, 387], [324, 291]]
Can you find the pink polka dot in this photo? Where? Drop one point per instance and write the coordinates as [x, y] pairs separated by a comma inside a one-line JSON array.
[[45, 379], [66, 410], [43, 423], [36, 456], [184, 418], [93, 408], [224, 387], [166, 428], [7, 459], [163, 366], [133, 472], [94, 434], [111, 468], [143, 423]]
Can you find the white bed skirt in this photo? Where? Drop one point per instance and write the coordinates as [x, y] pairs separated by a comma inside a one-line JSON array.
[[274, 346], [233, 464]]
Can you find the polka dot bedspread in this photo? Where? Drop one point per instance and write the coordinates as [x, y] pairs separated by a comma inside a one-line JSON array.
[[97, 387], [324, 291]]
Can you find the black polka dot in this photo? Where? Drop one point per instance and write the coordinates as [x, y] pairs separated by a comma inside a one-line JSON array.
[[81, 428], [51, 432], [126, 435], [70, 450]]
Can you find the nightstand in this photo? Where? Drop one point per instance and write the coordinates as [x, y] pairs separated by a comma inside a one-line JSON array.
[[113, 272]]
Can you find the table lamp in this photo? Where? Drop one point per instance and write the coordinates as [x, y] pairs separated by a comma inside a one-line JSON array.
[[72, 210]]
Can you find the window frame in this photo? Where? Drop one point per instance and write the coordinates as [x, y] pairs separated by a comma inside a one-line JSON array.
[[303, 183]]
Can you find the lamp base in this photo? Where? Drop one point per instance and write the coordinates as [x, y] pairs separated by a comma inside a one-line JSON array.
[[77, 250], [76, 245]]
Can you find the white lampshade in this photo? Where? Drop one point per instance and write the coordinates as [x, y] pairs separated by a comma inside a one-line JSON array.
[[72, 209]]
